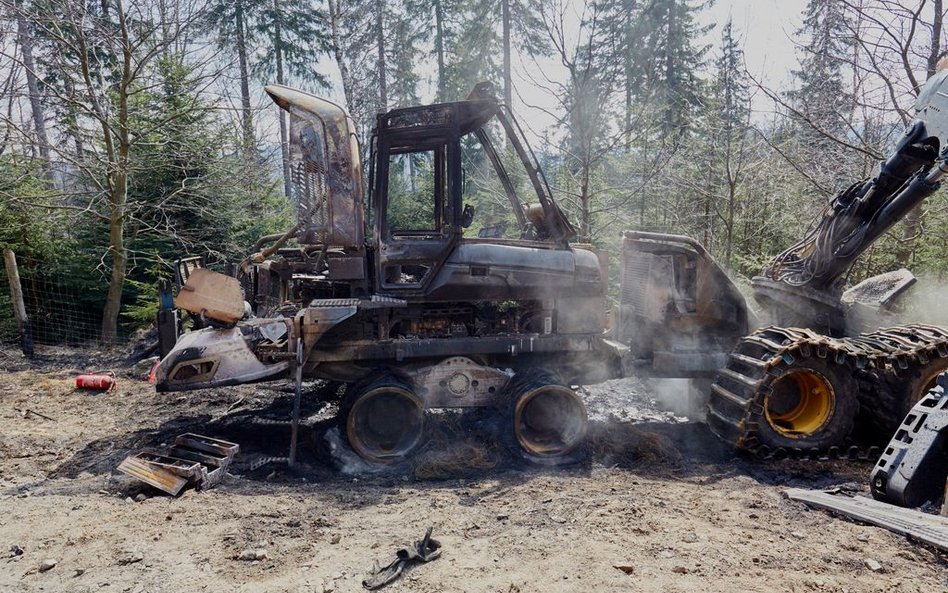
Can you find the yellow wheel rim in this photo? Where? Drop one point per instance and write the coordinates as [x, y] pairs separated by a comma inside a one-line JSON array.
[[800, 403]]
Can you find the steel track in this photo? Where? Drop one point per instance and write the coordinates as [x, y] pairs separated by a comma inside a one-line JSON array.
[[876, 361]]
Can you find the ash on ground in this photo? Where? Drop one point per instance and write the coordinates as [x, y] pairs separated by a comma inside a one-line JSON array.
[[636, 400]]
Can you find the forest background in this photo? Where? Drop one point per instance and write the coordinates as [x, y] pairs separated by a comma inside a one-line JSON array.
[[135, 132]]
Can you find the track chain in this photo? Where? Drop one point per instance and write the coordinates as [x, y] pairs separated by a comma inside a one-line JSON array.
[[740, 389]]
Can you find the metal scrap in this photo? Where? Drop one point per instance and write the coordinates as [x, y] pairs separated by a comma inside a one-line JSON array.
[[930, 529], [423, 550], [193, 459]]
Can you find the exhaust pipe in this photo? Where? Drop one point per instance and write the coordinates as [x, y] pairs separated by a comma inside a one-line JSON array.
[[385, 421], [549, 419]]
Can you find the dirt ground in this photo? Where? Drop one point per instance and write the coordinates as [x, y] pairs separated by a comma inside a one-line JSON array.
[[659, 505]]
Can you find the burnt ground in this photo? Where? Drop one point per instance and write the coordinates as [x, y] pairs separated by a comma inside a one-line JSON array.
[[658, 505]]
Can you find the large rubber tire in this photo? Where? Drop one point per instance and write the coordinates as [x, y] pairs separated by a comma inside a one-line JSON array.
[[761, 399], [546, 421], [810, 404], [891, 399], [384, 419]]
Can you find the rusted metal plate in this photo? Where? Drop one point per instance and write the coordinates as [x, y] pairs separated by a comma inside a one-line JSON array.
[[194, 459], [459, 382], [214, 295], [211, 445], [346, 268], [154, 474], [930, 529]]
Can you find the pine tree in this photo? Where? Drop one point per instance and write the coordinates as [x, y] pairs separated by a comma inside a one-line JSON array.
[[821, 100], [674, 60], [229, 21]]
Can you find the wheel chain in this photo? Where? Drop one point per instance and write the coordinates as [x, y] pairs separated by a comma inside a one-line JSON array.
[[741, 388]]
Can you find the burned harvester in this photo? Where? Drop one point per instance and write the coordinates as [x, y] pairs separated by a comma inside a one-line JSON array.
[[407, 292], [819, 367], [419, 296]]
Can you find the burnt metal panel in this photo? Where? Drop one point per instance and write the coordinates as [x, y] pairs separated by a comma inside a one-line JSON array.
[[459, 382], [346, 268], [326, 169]]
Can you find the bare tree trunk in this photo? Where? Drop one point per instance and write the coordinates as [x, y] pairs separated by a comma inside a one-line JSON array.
[[335, 18], [380, 37], [246, 115], [113, 301], [36, 105], [72, 125], [508, 82], [585, 227], [281, 79], [627, 70], [439, 50], [731, 205], [118, 183]]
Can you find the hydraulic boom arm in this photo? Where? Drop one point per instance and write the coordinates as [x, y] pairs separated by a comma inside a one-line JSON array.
[[855, 218]]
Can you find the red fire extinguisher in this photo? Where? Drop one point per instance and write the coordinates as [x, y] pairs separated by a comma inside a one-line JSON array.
[[97, 381]]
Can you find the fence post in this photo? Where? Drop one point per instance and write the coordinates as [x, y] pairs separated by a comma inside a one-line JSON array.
[[19, 308]]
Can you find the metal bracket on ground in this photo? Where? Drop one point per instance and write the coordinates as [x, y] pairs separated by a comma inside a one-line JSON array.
[[193, 459]]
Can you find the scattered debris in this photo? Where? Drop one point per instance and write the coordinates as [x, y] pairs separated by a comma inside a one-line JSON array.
[[131, 557], [253, 554], [930, 529], [25, 412], [424, 550], [15, 551], [873, 565], [194, 459], [626, 568], [47, 564], [143, 368]]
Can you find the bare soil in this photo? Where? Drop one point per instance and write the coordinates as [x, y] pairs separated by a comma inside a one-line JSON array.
[[658, 505]]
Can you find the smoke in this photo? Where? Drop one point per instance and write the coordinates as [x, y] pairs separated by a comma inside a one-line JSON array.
[[347, 460], [682, 397], [925, 302]]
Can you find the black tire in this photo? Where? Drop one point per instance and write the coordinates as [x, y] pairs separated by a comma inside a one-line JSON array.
[[383, 419], [810, 404], [887, 401], [535, 432]]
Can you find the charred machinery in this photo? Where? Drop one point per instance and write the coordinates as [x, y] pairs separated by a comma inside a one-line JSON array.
[[399, 283], [402, 289], [814, 371]]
